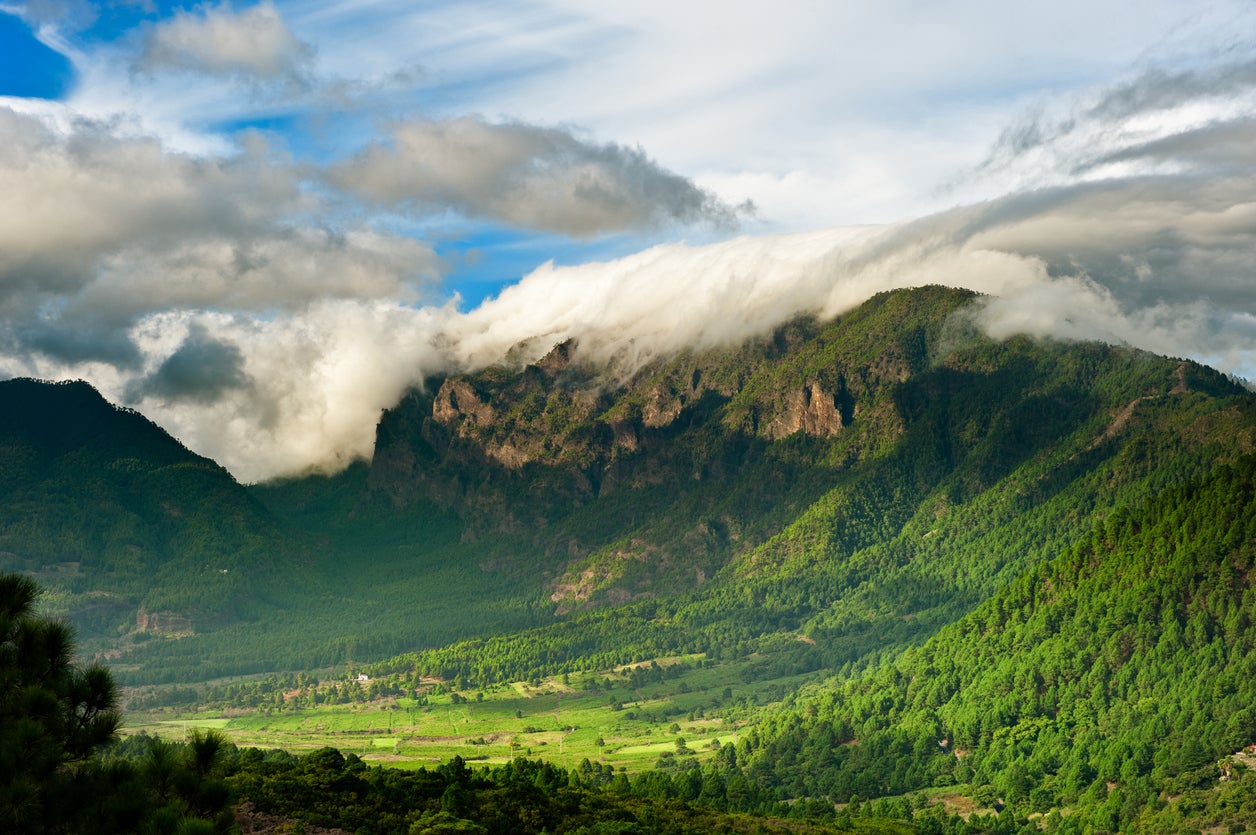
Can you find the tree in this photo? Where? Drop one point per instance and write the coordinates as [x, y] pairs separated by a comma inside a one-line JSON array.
[[53, 715]]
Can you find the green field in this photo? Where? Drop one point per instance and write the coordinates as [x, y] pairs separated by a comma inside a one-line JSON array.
[[658, 724]]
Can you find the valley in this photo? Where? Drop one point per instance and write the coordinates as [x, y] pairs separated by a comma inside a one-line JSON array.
[[669, 714], [883, 564]]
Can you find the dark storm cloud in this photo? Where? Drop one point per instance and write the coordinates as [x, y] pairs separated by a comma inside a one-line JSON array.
[[201, 369]]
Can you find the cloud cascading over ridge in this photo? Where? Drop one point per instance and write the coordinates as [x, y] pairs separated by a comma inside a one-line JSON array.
[[207, 233], [273, 347]]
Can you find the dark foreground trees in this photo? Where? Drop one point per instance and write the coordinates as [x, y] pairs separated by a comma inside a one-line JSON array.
[[53, 715], [58, 723]]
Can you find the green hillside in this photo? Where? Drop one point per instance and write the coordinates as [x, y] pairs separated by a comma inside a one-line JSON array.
[[823, 495], [133, 535], [1116, 678], [957, 471], [904, 561]]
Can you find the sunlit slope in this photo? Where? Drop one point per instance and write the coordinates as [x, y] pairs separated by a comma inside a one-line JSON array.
[[1119, 670], [959, 463], [818, 441], [826, 492]]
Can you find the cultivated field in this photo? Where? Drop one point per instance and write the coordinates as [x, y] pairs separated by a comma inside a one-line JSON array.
[[595, 716]]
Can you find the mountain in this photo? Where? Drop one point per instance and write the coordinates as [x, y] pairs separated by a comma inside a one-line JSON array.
[[1018, 570], [857, 483], [838, 433], [826, 493], [131, 533], [1117, 675]]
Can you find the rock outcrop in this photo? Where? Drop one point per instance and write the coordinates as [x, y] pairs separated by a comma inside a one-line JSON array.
[[162, 623], [810, 410]]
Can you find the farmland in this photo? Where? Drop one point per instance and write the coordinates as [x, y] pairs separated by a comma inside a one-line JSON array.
[[687, 712]]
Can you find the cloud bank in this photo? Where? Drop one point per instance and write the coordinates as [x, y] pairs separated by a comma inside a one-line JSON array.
[[234, 300], [1160, 263], [198, 292], [264, 300]]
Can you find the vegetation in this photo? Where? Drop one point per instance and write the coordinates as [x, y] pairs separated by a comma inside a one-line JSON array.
[[671, 514], [56, 720], [1117, 675], [879, 568], [325, 788]]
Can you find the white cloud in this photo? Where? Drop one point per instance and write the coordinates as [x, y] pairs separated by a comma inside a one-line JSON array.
[[218, 40], [262, 302], [725, 90], [272, 346], [306, 391], [98, 231], [539, 178]]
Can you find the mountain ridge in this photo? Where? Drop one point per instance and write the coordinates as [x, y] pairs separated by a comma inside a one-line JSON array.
[[571, 441], [136, 533], [845, 482]]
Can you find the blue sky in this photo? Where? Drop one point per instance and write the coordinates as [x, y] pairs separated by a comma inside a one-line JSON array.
[[28, 67], [260, 222]]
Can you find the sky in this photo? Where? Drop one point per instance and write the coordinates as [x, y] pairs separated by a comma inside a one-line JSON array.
[[261, 223]]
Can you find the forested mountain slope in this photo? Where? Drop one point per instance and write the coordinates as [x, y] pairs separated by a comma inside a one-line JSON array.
[[828, 492], [819, 438], [130, 531], [960, 464], [1114, 678]]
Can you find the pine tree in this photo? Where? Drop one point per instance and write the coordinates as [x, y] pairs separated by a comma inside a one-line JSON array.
[[53, 715]]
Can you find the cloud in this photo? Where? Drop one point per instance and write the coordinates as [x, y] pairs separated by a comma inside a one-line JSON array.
[[540, 178], [98, 231], [1161, 263], [202, 369], [292, 393], [1159, 89], [217, 40], [73, 13], [1220, 143], [1158, 262], [1186, 116], [232, 298], [265, 308]]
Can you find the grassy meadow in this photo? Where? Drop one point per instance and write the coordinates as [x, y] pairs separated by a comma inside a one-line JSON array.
[[596, 716]]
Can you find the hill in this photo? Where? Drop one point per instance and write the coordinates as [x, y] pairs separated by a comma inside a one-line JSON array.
[[822, 495], [1115, 681], [132, 534], [1016, 571], [703, 506]]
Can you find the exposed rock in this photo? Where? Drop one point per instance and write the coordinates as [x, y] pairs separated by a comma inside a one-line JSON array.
[[457, 400], [558, 359], [810, 410], [625, 436], [162, 623], [662, 407], [508, 455]]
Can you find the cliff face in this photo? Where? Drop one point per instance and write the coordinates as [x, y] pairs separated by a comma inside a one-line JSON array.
[[524, 451], [462, 439], [810, 410], [465, 440], [477, 434], [162, 623]]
